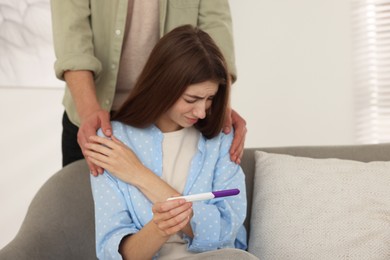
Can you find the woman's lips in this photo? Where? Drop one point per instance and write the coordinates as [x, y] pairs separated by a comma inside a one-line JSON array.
[[193, 120]]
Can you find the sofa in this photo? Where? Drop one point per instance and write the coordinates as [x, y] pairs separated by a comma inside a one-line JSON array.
[[314, 202]]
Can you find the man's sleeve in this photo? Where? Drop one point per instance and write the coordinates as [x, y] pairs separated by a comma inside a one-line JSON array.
[[73, 38], [215, 19]]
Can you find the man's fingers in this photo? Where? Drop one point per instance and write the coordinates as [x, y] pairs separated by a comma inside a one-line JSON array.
[[105, 124], [227, 124], [82, 139], [89, 126], [239, 152], [92, 167], [237, 148], [234, 150]]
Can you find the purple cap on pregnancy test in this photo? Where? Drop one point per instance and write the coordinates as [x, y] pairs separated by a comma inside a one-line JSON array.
[[225, 193]]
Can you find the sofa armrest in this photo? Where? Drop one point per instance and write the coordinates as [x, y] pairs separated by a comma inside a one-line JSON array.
[[59, 223]]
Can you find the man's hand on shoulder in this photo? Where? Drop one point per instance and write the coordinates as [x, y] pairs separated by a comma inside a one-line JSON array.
[[88, 127], [233, 119]]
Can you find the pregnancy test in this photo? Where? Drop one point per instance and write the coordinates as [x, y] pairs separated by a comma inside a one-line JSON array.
[[208, 195]]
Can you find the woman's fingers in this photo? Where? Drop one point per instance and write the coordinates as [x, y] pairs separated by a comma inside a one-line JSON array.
[[103, 141], [170, 207], [108, 147], [172, 216], [98, 148], [99, 163], [116, 140], [174, 225]]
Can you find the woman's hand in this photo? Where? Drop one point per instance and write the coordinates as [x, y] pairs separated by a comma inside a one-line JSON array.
[[115, 157], [169, 217], [172, 216]]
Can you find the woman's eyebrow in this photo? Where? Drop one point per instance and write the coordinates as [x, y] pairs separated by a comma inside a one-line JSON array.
[[194, 96], [197, 97]]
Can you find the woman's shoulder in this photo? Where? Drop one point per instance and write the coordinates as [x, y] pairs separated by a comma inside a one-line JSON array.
[[220, 143], [221, 138], [127, 132], [119, 126]]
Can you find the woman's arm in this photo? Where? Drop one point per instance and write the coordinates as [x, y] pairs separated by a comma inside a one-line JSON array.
[[118, 236], [112, 218], [168, 218], [121, 161], [218, 223]]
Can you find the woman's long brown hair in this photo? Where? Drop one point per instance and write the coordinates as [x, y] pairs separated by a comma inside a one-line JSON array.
[[184, 56]]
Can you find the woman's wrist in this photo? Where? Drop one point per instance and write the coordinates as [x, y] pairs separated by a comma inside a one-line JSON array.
[[153, 187], [142, 178]]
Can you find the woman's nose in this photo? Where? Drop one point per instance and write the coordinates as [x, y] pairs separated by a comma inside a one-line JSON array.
[[200, 110]]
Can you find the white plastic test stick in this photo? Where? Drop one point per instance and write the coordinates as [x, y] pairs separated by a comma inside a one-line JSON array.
[[208, 195], [195, 197]]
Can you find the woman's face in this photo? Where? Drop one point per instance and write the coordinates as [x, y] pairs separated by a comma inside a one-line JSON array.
[[189, 108]]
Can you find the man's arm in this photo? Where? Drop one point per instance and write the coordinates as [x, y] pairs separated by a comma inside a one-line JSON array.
[[92, 116], [77, 65], [73, 37], [215, 19]]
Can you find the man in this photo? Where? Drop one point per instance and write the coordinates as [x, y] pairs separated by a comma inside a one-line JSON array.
[[101, 47]]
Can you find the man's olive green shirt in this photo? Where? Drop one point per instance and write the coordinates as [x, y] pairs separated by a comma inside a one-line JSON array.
[[88, 35]]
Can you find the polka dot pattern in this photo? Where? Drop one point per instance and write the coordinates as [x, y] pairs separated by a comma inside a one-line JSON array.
[[121, 209]]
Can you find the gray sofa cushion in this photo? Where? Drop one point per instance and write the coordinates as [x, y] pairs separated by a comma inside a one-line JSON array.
[[363, 153], [306, 208]]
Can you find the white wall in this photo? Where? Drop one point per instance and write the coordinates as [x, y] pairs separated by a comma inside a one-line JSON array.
[[293, 59], [294, 88], [30, 139]]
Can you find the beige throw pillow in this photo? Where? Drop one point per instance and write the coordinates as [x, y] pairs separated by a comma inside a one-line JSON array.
[[327, 209]]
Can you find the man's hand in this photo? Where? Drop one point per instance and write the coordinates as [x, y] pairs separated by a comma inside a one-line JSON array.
[[89, 126], [239, 124], [92, 117]]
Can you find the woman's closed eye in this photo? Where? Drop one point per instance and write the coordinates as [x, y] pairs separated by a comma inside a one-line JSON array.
[[190, 101]]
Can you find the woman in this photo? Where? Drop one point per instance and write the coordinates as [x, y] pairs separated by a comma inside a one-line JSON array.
[[172, 124]]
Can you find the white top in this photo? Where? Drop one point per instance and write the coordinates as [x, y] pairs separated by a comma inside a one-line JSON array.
[[178, 149]]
